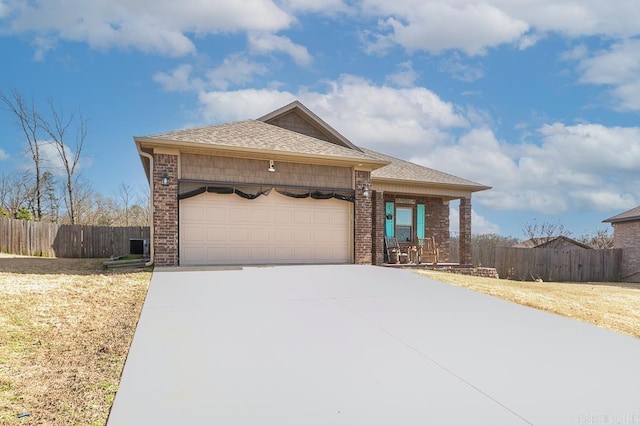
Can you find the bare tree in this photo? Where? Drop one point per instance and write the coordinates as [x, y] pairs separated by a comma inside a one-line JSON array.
[[125, 195], [544, 231], [601, 239], [15, 193], [29, 122], [58, 128]]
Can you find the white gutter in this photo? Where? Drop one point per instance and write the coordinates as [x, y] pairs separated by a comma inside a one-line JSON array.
[[150, 157]]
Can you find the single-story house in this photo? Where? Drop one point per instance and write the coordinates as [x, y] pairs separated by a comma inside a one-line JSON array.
[[556, 242], [626, 236], [288, 188]]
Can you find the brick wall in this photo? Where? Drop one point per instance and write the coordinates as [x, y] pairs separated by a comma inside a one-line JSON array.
[[165, 210], [377, 217], [227, 169], [626, 235], [363, 220], [465, 231]]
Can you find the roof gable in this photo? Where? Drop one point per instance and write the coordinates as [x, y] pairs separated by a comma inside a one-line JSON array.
[[298, 118]]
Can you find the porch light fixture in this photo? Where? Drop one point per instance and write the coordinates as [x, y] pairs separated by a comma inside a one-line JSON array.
[[366, 189], [164, 180], [272, 167]]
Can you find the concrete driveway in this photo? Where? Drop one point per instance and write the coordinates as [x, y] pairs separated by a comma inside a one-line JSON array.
[[364, 345]]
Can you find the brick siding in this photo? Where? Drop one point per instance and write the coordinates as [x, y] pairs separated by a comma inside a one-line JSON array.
[[378, 227], [165, 211], [465, 231], [363, 220], [626, 236]]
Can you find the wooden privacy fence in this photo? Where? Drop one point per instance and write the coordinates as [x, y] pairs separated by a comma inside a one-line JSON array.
[[49, 239], [577, 265]]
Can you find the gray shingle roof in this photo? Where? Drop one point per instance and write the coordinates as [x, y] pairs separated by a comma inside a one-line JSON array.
[[404, 170], [629, 215], [257, 135]]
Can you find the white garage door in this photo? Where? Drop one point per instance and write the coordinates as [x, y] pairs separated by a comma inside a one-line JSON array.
[[226, 229]]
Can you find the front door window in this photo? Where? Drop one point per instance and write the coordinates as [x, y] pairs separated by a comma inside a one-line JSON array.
[[404, 224]]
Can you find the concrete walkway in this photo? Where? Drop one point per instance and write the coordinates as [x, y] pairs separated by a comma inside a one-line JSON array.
[[363, 345]]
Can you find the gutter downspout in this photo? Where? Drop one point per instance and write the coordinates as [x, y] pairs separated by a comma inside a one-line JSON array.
[[151, 250]]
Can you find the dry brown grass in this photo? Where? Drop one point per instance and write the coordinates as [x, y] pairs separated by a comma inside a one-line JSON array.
[[65, 330], [615, 306]]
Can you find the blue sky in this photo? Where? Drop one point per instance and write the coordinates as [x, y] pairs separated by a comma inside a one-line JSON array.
[[538, 99]]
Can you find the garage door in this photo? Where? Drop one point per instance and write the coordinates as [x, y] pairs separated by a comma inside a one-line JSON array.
[[226, 229]]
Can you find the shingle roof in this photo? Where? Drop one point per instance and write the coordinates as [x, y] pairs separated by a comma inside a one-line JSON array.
[[257, 135], [260, 136], [629, 215], [404, 170]]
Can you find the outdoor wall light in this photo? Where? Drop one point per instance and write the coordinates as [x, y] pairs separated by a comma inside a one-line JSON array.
[[366, 188], [164, 180], [272, 167]]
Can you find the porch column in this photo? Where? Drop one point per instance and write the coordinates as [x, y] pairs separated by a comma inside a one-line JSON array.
[[362, 219], [378, 227], [465, 231], [165, 210]]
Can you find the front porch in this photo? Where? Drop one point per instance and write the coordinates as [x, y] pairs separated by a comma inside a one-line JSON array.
[[418, 226]]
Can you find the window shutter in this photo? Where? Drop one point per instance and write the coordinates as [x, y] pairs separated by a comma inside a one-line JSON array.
[[388, 221], [420, 220]]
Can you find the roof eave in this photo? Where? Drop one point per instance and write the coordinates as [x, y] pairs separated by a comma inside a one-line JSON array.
[[360, 163], [470, 188], [613, 220]]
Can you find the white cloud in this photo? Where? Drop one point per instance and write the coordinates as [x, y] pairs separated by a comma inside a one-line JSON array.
[[3, 155], [579, 166], [457, 69], [330, 7], [235, 70], [473, 27], [42, 46], [162, 26], [407, 118], [559, 168], [405, 76], [435, 26], [617, 67], [178, 80], [51, 161], [265, 43], [220, 106]]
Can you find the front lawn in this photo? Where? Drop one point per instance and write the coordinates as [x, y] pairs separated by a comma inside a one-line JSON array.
[[66, 326]]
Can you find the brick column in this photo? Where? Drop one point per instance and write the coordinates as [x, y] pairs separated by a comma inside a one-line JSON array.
[[465, 231], [165, 211], [362, 227], [378, 227]]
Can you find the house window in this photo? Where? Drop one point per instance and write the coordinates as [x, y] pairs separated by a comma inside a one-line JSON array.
[[404, 224]]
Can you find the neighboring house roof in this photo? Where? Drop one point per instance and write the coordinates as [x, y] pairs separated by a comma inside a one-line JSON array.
[[628, 216], [400, 170], [255, 136], [559, 242]]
